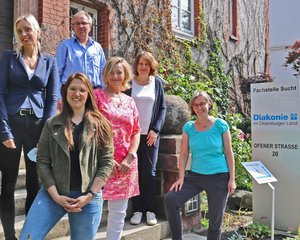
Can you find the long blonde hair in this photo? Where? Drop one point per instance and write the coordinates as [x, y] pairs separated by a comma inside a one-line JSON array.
[[35, 26]]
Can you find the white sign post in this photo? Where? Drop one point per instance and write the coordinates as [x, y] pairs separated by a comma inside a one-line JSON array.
[[275, 125], [262, 175]]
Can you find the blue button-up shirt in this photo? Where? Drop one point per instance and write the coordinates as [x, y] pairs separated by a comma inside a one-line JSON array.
[[73, 57]]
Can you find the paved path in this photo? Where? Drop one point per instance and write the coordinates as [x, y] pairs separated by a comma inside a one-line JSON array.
[[190, 236]]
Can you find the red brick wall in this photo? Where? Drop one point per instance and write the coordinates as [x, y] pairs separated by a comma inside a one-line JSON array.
[[53, 16], [198, 10], [103, 33], [104, 30], [54, 12], [235, 14]]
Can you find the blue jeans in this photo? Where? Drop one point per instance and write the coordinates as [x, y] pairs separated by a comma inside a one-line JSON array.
[[45, 213]]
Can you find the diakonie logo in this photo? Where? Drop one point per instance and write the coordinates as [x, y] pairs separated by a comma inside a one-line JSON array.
[[275, 119], [278, 117]]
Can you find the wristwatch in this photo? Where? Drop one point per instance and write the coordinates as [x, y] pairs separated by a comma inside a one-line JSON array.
[[93, 194], [133, 155]]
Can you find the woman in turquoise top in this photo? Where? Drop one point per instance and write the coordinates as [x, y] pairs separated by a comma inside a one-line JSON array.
[[212, 167]]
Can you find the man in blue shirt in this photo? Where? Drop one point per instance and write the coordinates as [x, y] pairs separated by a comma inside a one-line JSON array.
[[81, 53]]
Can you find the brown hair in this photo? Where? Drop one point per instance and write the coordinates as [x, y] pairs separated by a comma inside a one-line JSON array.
[[150, 58], [111, 63], [198, 94], [99, 127]]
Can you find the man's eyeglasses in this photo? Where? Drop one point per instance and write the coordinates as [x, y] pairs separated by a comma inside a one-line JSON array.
[[80, 23]]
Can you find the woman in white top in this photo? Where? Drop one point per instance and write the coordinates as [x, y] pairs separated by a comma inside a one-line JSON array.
[[148, 93]]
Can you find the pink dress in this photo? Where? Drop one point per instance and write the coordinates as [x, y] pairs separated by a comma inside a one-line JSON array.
[[125, 123]]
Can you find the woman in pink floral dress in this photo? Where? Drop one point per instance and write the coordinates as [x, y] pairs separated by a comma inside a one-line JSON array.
[[121, 111]]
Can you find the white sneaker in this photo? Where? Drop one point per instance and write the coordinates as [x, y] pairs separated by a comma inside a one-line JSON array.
[[151, 219], [136, 218]]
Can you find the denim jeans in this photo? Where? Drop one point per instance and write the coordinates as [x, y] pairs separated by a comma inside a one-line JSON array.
[[45, 213]]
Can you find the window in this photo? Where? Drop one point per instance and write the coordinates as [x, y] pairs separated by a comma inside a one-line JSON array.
[[233, 19], [74, 8], [183, 16], [192, 205]]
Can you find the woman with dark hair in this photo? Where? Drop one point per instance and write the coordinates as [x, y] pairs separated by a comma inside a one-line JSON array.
[[148, 94], [74, 160], [28, 97], [212, 167]]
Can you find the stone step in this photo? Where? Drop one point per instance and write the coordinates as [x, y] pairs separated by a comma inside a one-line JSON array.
[[59, 230], [22, 162], [20, 197], [135, 232], [190, 236], [21, 179]]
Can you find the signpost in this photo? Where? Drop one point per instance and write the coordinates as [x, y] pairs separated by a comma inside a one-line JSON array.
[[262, 175]]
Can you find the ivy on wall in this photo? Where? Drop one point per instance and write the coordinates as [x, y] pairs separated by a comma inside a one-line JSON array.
[[220, 79]]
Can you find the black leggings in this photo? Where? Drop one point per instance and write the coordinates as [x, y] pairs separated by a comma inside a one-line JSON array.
[[216, 189], [26, 131], [147, 159]]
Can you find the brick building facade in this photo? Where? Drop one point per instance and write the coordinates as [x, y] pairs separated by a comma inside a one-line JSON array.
[[6, 25], [116, 22]]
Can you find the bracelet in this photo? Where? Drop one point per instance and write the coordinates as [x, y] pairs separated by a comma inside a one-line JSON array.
[[93, 194]]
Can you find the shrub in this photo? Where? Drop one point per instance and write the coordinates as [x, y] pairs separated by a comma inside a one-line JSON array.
[[241, 146]]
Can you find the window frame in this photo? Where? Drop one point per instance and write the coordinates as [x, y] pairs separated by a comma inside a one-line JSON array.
[[233, 20], [192, 205], [179, 30], [94, 12]]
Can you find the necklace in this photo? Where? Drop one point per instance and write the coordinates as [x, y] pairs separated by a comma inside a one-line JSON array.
[[116, 99], [31, 62], [205, 125]]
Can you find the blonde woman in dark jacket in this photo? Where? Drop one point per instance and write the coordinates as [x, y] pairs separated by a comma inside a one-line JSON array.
[[74, 160], [28, 97]]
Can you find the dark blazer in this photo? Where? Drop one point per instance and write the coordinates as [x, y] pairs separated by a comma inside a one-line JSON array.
[[15, 86], [159, 108]]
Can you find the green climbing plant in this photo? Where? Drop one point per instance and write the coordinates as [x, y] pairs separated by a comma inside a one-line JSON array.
[[221, 81]]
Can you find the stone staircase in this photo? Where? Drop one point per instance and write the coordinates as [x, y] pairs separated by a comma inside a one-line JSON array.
[[61, 230]]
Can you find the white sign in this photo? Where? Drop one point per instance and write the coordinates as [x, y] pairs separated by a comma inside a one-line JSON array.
[[275, 125], [275, 106], [259, 172]]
